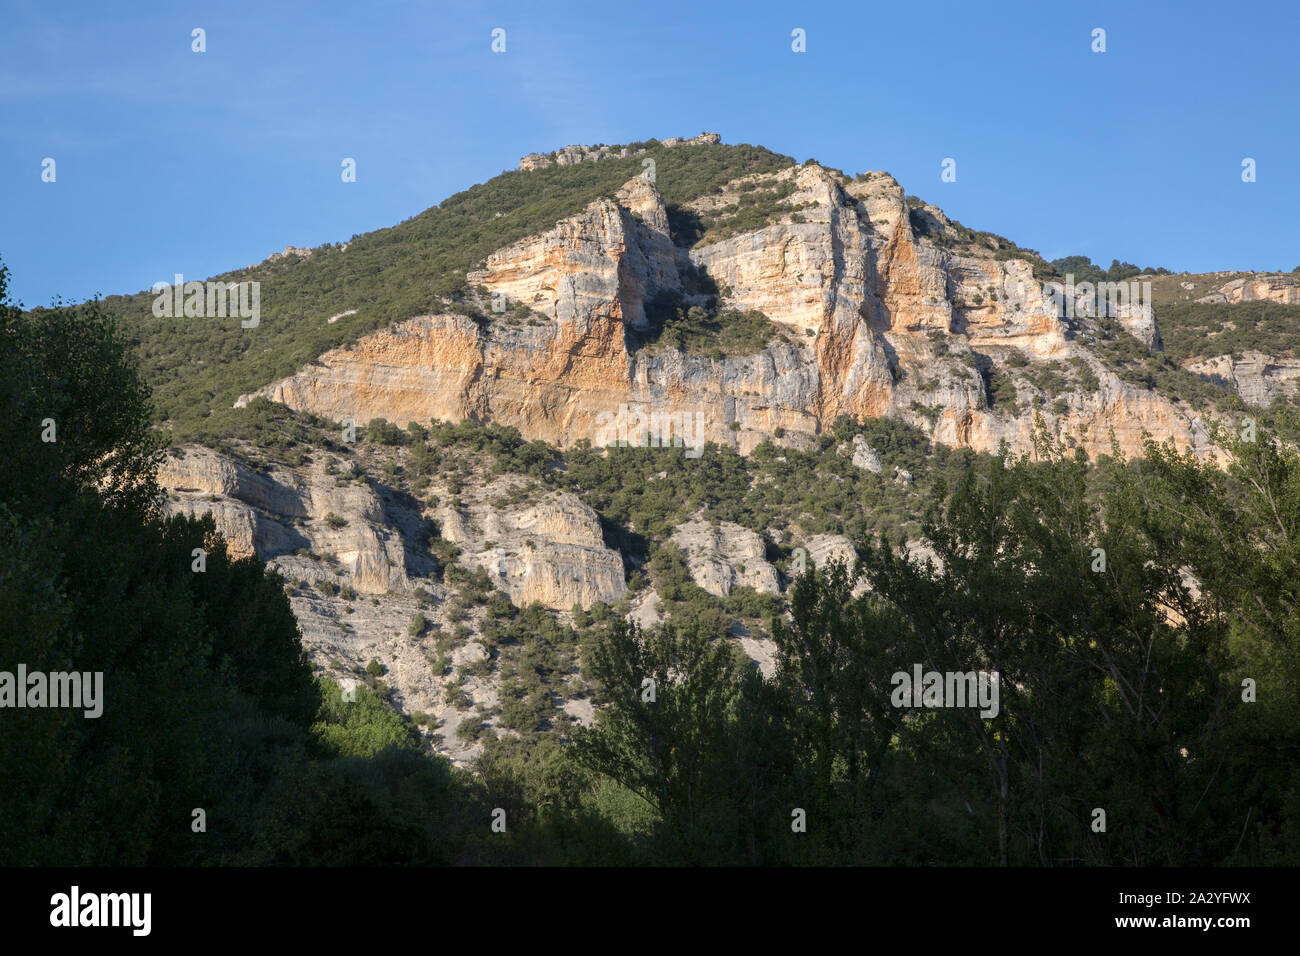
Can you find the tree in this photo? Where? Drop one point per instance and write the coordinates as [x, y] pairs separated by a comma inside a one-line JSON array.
[[834, 662], [203, 675], [662, 728]]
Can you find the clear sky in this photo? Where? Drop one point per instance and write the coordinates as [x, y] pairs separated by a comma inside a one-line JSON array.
[[173, 161]]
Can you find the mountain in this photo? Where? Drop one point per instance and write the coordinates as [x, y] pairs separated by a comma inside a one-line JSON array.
[[831, 352], [868, 314]]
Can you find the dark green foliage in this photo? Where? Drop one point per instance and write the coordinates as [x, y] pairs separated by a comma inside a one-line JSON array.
[[1084, 376], [1001, 392], [381, 431], [1199, 330], [268, 427], [1120, 686], [1134, 363], [698, 330], [1083, 270], [208, 699], [470, 729], [196, 665], [69, 367], [666, 749], [755, 208], [1051, 378]]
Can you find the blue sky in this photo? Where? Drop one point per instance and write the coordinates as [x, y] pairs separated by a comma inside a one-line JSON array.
[[172, 161]]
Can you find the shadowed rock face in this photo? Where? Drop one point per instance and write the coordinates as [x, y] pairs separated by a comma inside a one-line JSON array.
[[284, 511], [548, 551], [315, 525], [880, 320], [1258, 378]]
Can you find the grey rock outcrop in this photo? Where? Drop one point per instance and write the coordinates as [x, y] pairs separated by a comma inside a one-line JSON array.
[[1258, 378], [866, 457], [724, 557], [282, 512], [548, 551], [572, 155], [1283, 289]]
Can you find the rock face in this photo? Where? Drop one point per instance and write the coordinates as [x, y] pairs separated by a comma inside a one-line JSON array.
[[595, 269], [725, 557], [325, 532], [1284, 289], [822, 549], [288, 251], [572, 155], [548, 551], [825, 548], [1258, 378], [880, 321], [1139, 321], [866, 457], [282, 512], [535, 161], [704, 139]]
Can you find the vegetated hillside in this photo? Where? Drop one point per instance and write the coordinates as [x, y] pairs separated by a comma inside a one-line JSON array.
[[419, 266], [1091, 589], [1195, 330], [477, 630], [1195, 320], [537, 702]]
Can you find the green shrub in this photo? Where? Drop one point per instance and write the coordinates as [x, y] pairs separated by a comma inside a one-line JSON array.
[[470, 729]]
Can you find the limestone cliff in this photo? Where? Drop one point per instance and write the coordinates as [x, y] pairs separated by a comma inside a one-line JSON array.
[[315, 525], [1273, 288], [883, 318], [548, 551], [724, 557], [1258, 378], [572, 155]]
